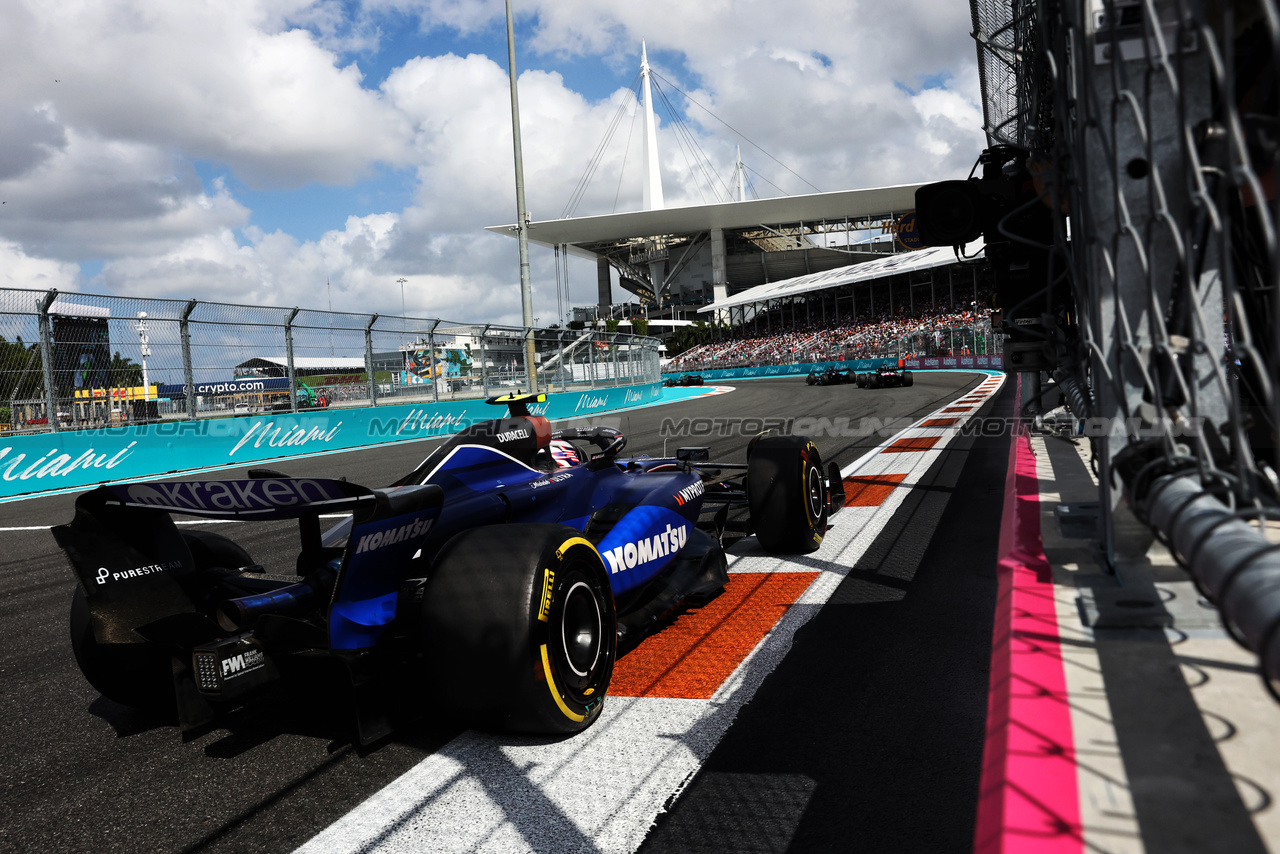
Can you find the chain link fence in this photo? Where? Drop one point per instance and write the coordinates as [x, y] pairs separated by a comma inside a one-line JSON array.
[[1150, 131], [72, 360]]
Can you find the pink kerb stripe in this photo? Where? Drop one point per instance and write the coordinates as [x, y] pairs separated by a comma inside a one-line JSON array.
[[1029, 798]]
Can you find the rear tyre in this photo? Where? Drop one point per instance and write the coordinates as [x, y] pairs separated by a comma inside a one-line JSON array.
[[519, 628], [131, 674], [209, 551], [786, 494]]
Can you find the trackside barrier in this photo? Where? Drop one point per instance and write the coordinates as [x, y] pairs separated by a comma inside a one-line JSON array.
[[797, 369], [806, 368], [51, 461], [963, 363]]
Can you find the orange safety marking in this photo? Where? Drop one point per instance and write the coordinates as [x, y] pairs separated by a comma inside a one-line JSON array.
[[691, 658], [912, 443], [870, 491], [957, 409], [940, 422]]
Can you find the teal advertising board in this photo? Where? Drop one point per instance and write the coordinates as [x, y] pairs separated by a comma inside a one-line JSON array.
[[51, 461]]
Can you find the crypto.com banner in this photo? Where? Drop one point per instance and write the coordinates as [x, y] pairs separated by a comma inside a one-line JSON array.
[[77, 458]]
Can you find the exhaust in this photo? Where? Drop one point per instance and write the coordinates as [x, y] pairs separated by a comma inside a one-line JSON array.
[[236, 615]]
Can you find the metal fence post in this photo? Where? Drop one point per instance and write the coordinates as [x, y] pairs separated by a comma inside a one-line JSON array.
[[288, 353], [591, 359], [431, 344], [484, 378], [188, 372], [368, 360], [46, 356]]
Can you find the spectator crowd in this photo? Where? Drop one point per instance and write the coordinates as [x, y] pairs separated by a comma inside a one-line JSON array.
[[926, 332]]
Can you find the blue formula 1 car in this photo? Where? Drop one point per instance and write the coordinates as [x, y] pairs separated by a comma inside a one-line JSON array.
[[496, 580]]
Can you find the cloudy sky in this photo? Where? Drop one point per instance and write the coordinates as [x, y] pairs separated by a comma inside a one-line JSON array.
[[251, 150]]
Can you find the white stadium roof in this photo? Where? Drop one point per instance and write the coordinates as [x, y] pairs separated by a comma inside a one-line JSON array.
[[812, 208], [891, 265]]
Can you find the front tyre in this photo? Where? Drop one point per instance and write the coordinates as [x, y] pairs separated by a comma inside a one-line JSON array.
[[906, 379], [786, 494], [519, 628]]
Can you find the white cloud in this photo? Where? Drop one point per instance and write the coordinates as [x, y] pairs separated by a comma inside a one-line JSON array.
[[19, 270], [115, 101], [227, 82]]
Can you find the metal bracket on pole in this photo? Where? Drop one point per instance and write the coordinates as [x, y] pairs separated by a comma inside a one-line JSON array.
[[46, 356], [431, 344], [288, 352], [188, 373], [484, 373], [368, 360]]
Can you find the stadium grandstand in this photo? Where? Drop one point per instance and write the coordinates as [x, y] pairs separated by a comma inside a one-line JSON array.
[[747, 263]]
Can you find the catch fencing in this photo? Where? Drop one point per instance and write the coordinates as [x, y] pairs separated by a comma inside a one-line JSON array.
[[73, 360], [1151, 132]]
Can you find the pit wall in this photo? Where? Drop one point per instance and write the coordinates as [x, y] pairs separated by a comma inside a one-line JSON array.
[[806, 368], [79, 458]]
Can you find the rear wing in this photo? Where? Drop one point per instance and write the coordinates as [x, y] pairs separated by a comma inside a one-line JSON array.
[[257, 498], [136, 569]]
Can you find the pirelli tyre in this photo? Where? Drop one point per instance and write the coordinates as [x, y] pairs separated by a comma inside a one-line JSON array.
[[906, 378], [139, 675], [519, 628], [786, 494], [811, 379], [214, 551]]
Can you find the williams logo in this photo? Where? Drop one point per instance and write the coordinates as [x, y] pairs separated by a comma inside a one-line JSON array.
[[631, 555]]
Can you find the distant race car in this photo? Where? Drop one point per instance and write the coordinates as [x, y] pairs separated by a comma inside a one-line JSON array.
[[686, 380], [497, 578], [831, 376], [885, 376]]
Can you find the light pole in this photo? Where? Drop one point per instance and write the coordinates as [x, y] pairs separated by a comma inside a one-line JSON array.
[[402, 280], [522, 214], [145, 341]]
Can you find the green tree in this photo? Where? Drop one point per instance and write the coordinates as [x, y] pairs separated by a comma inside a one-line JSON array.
[[688, 337], [640, 325], [125, 373]]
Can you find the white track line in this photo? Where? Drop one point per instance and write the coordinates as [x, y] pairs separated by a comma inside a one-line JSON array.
[[601, 790]]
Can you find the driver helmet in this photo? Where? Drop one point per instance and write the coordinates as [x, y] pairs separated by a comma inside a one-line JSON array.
[[565, 453]]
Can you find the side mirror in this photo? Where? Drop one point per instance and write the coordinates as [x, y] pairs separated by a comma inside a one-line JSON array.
[[693, 455]]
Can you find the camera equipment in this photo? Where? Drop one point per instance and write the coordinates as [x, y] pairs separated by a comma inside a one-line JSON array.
[[1004, 208]]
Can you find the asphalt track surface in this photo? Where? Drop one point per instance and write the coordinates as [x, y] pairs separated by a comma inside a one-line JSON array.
[[866, 737]]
